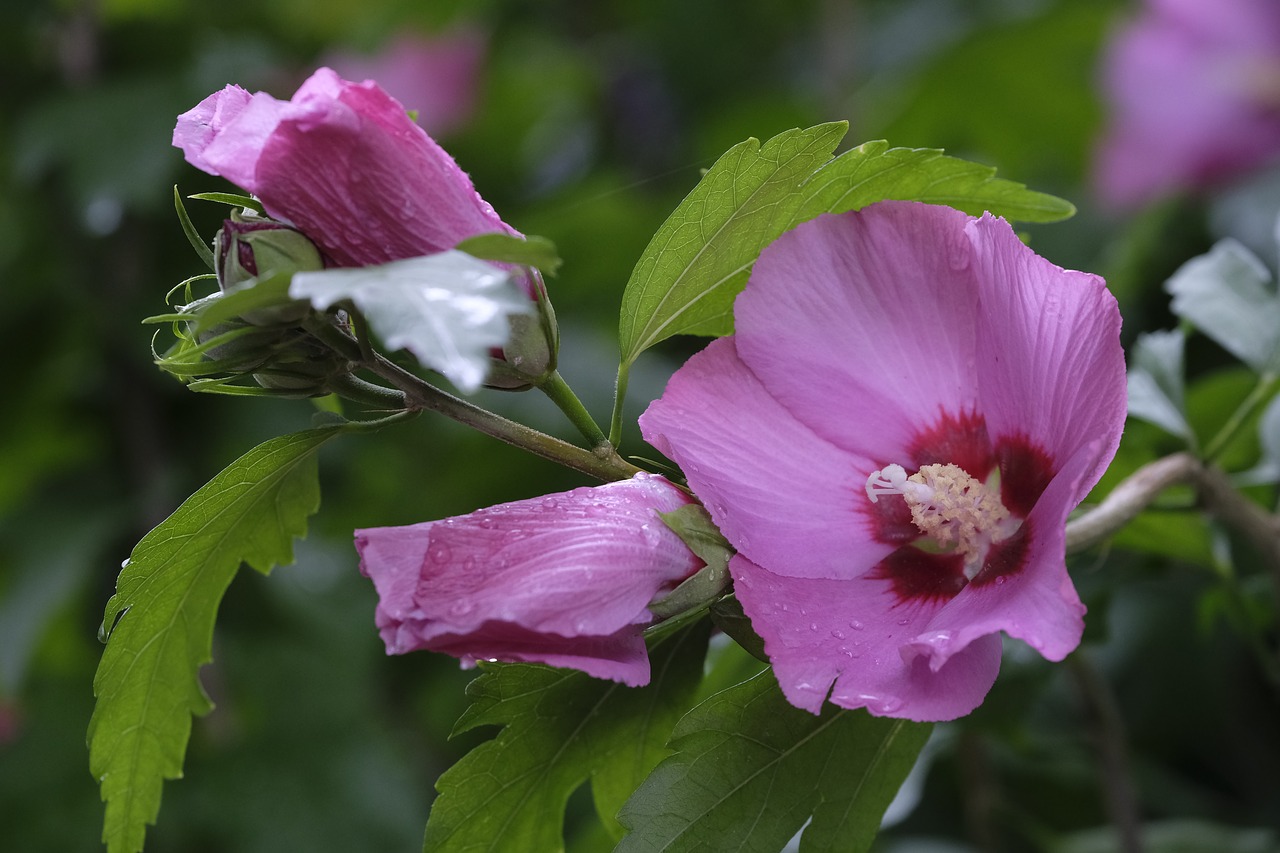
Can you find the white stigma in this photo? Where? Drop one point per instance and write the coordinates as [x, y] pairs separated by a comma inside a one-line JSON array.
[[955, 511]]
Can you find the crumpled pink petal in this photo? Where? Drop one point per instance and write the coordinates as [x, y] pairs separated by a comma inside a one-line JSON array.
[[564, 579], [343, 163], [911, 335]]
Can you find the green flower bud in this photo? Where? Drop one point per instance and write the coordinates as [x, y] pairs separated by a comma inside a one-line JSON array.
[[250, 248], [280, 358], [529, 356]]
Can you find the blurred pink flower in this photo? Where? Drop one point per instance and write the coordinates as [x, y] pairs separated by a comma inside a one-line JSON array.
[[889, 368], [344, 164], [1194, 92], [438, 78], [564, 579]]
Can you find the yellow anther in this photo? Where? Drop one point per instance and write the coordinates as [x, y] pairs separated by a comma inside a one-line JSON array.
[[954, 510]]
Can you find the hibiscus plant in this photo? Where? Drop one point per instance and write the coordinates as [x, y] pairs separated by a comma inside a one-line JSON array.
[[855, 500]]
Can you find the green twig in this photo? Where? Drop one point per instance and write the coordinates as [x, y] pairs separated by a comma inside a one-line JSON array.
[[619, 396], [562, 395], [357, 390], [602, 462]]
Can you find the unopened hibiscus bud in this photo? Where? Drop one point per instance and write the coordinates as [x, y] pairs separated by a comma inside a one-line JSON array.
[[280, 358], [565, 579], [250, 248], [529, 357]]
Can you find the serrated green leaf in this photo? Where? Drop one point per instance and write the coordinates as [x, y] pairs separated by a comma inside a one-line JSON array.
[[874, 172], [160, 621], [559, 728], [698, 260], [537, 252], [1156, 385], [750, 770], [449, 310], [1229, 295]]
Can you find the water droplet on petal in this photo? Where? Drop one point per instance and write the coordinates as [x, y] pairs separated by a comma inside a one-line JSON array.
[[856, 625], [439, 553]]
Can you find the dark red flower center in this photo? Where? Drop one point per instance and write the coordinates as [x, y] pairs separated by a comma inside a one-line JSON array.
[[919, 571]]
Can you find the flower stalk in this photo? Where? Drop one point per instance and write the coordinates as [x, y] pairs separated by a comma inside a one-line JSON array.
[[601, 462], [562, 395]]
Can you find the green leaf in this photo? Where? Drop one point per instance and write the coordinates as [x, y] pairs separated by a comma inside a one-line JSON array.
[[873, 172], [537, 252], [448, 309], [1268, 468], [160, 621], [727, 615], [693, 524], [189, 229], [234, 199], [247, 297], [1156, 385], [559, 728], [1228, 294], [698, 261], [750, 770]]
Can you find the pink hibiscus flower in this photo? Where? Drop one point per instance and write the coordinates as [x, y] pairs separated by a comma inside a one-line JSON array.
[[912, 403], [1194, 89], [564, 579], [344, 164]]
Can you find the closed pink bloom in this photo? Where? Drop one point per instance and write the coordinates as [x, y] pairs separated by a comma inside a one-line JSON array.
[[438, 78], [888, 365], [1194, 92], [344, 164], [564, 579]]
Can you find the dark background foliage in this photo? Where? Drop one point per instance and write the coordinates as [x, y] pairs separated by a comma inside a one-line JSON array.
[[593, 119]]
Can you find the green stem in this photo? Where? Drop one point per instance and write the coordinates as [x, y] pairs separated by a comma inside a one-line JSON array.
[[1260, 394], [353, 388], [562, 395], [619, 396], [602, 462]]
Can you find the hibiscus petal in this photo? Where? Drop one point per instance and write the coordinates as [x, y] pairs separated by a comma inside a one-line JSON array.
[[1050, 366], [779, 493], [553, 579], [843, 638], [862, 324], [199, 126]]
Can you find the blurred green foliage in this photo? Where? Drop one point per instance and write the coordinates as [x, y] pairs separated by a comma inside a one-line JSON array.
[[594, 119]]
